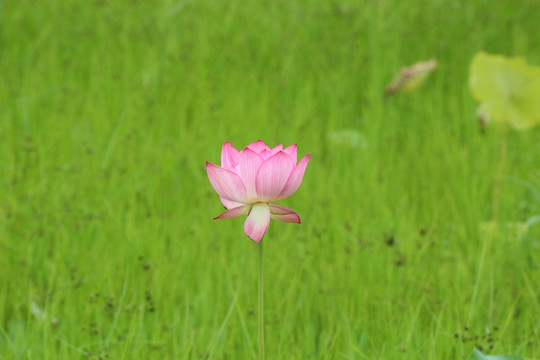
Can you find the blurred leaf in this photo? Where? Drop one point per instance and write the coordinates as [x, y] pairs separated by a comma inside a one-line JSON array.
[[533, 220], [37, 311], [349, 138], [410, 78], [508, 89], [17, 337], [514, 231], [477, 355]]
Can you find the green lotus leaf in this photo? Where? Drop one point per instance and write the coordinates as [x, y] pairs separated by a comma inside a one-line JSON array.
[[508, 89]]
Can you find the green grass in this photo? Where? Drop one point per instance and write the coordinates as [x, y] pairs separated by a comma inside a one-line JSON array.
[[107, 244]]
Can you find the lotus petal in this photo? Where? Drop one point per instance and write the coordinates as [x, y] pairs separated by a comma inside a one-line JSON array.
[[257, 222], [236, 212], [292, 152], [295, 179], [226, 183], [229, 156], [283, 214], [273, 175], [249, 164], [258, 146], [230, 204]]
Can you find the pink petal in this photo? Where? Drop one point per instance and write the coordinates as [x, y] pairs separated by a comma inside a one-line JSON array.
[[294, 181], [229, 156], [277, 148], [230, 204], [236, 212], [266, 153], [272, 151], [283, 214], [226, 183], [272, 176], [258, 146], [257, 222], [291, 151], [249, 164]]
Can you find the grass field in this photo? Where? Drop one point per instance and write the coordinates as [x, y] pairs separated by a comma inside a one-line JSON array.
[[108, 250]]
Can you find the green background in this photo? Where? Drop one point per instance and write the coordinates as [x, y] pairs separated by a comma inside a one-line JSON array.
[[109, 110]]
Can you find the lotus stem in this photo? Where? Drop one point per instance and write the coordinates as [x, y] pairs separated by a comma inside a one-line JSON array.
[[494, 215], [499, 175], [261, 302]]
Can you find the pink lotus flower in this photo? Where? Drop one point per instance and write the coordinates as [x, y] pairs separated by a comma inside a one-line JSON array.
[[249, 181]]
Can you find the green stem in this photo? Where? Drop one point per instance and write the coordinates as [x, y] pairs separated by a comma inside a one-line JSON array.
[[499, 175], [492, 225], [261, 303]]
